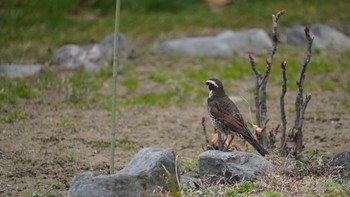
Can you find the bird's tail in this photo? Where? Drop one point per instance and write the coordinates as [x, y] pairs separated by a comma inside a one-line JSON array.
[[257, 146], [249, 137]]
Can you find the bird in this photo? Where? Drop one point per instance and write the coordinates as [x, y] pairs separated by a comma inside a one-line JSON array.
[[225, 116]]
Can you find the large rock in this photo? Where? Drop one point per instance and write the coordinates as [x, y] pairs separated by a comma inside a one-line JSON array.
[[326, 38], [19, 71], [242, 165], [92, 56], [140, 177], [226, 44], [251, 41]]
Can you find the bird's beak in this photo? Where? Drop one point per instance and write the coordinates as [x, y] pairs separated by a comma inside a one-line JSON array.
[[203, 82]]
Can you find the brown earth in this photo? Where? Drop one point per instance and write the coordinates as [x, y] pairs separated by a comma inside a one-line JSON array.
[[52, 143]]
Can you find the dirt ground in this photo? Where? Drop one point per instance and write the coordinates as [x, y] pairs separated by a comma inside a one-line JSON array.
[[52, 144]]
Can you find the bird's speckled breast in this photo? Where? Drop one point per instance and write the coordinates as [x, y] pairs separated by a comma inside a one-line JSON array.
[[220, 126]]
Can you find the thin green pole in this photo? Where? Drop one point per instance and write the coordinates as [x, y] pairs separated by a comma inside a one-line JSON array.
[[114, 85]]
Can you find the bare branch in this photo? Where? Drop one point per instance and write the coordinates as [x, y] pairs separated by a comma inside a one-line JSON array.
[[279, 14], [263, 106], [267, 73], [283, 112], [252, 62], [257, 89], [308, 55], [300, 105], [275, 19], [261, 82], [307, 99]]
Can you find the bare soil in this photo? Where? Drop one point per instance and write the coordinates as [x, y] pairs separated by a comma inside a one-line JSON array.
[[52, 143]]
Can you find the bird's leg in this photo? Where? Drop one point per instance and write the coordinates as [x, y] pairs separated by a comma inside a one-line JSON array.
[[231, 139], [220, 142], [246, 145]]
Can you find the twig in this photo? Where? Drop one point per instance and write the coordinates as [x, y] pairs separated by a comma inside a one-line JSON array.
[[114, 85], [257, 89], [261, 82], [176, 173], [300, 105], [283, 112], [205, 130], [275, 19]]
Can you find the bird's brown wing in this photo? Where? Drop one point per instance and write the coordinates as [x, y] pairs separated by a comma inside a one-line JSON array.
[[233, 121]]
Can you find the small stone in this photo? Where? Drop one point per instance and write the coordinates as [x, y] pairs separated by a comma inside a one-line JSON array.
[[19, 71]]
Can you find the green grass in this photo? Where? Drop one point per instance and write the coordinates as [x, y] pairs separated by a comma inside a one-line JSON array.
[[13, 90], [131, 84], [12, 117], [163, 100]]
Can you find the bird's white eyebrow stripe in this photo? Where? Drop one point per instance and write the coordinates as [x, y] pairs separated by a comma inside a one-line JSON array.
[[212, 82]]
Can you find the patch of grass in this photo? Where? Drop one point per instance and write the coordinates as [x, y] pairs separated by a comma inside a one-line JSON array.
[[270, 193], [125, 68], [246, 188], [100, 144], [157, 78], [332, 188], [131, 84], [34, 194], [56, 185], [69, 124], [346, 102], [163, 100], [127, 145], [80, 86], [191, 166], [46, 79], [12, 117], [326, 86], [12, 89]]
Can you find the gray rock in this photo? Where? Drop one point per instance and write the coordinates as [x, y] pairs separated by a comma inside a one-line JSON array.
[[244, 166], [141, 176], [189, 182], [70, 57], [203, 46], [251, 41], [341, 160], [107, 45], [91, 57], [326, 38], [19, 71], [225, 45]]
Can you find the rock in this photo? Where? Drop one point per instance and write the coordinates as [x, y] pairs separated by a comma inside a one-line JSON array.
[[107, 45], [242, 165], [70, 57], [203, 46], [19, 71], [326, 38], [251, 41], [91, 57], [189, 182], [140, 177], [341, 160], [225, 45]]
